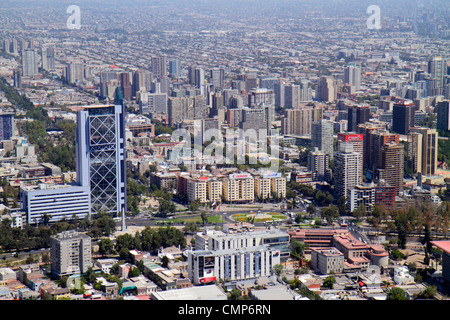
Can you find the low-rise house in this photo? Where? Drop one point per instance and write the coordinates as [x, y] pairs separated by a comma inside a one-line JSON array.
[[106, 264], [57, 293]]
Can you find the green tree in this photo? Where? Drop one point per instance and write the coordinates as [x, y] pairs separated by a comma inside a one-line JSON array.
[[298, 248], [396, 293], [106, 247], [278, 268], [329, 282], [329, 213], [428, 293], [166, 207]]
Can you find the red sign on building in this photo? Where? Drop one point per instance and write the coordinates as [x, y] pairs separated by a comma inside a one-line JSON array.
[[350, 137], [210, 279]]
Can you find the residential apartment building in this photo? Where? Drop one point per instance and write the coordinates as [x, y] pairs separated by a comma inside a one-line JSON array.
[[239, 187], [267, 185], [391, 165], [299, 121], [70, 253], [348, 169]]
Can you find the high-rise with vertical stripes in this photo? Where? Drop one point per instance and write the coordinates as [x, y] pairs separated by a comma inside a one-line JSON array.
[[101, 158]]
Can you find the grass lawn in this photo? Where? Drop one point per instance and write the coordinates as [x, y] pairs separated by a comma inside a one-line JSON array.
[[211, 219], [266, 217]]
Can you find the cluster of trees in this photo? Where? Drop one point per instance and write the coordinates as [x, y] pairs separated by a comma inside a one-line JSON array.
[[321, 198], [61, 150], [418, 217], [147, 240], [37, 237]]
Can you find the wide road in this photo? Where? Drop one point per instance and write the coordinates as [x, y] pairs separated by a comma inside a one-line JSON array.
[[147, 220]]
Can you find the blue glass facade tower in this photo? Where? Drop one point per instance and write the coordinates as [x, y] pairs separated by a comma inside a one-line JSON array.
[[101, 157]]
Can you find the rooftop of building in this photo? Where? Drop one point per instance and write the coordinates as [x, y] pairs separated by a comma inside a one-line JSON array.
[[328, 251], [443, 245], [208, 292]]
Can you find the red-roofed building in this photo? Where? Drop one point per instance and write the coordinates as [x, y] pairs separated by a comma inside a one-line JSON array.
[[444, 246]]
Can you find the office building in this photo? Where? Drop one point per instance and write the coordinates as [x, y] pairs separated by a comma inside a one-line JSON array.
[[291, 96], [217, 76], [101, 158], [352, 76], [322, 136], [177, 109], [75, 72], [327, 260], [205, 266], [234, 255], [376, 139], [153, 103], [326, 89], [175, 68], [255, 119], [261, 96], [356, 139], [422, 150], [348, 171], [140, 79], [29, 63], [109, 81], [186, 108], [443, 115], [6, 126], [403, 117], [17, 77], [55, 203], [365, 129], [437, 68], [48, 58], [305, 94], [319, 165], [217, 104], [159, 66], [70, 253], [279, 90], [391, 165], [125, 85], [357, 115], [414, 152], [199, 80]]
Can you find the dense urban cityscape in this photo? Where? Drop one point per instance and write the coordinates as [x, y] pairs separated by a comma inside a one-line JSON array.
[[225, 150]]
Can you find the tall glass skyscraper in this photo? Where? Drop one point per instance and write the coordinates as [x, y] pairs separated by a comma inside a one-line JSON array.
[[101, 158]]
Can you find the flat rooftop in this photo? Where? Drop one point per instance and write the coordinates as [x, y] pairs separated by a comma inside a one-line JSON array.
[[210, 292]]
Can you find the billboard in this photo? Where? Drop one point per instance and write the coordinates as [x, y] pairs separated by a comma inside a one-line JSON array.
[[272, 175], [208, 279], [239, 175], [350, 137]]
